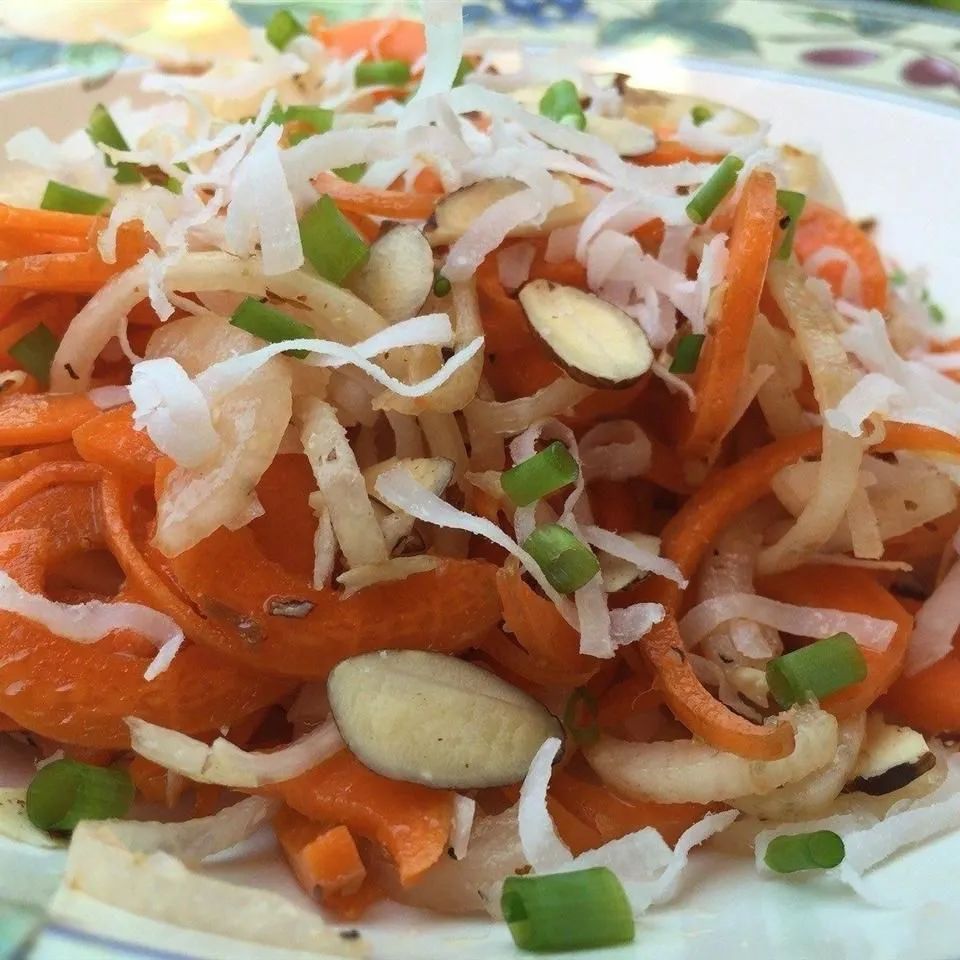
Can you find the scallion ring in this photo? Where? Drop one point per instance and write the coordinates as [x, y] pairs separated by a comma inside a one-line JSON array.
[[567, 563], [552, 469], [64, 792], [709, 196]]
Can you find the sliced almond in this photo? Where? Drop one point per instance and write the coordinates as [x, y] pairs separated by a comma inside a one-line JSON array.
[[660, 110], [434, 473], [890, 758], [398, 275], [628, 138], [617, 573], [433, 719], [594, 341], [457, 211]]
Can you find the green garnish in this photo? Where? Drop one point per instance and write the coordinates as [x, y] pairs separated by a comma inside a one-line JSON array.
[[34, 352], [330, 242], [816, 670], [353, 173], [552, 469], [688, 353], [583, 734], [567, 563], [561, 102], [820, 850], [708, 197], [394, 73], [271, 324], [59, 196], [700, 114], [567, 911], [282, 27], [64, 792], [102, 129], [792, 204], [441, 285], [463, 71]]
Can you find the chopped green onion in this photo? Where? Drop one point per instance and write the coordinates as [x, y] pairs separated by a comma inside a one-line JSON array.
[[540, 475], [583, 734], [936, 312], [700, 114], [816, 670], [441, 285], [567, 563], [102, 129], [174, 185], [561, 102], [34, 352], [708, 197], [792, 204], [270, 324], [319, 119], [282, 27], [898, 277], [567, 911], [688, 353], [393, 73], [330, 241], [353, 173], [58, 196], [64, 792], [820, 850], [463, 71]]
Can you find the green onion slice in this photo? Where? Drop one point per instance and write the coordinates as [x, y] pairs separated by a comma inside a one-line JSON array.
[[567, 911], [319, 119], [792, 204], [820, 850], [584, 734], [463, 71], [538, 476], [688, 353], [59, 196], [700, 114], [330, 242], [816, 670], [102, 129], [352, 173], [561, 102], [282, 27], [394, 73], [441, 285], [708, 197], [270, 324], [567, 563], [65, 792], [34, 352]]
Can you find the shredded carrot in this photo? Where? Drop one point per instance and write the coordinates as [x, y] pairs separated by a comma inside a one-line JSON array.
[[325, 860], [929, 700], [721, 367], [27, 419], [395, 204], [14, 466], [381, 39], [21, 243], [24, 219], [668, 152], [822, 226], [111, 440], [410, 822]]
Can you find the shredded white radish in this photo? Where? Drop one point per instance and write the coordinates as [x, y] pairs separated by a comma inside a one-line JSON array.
[[542, 848], [396, 568], [511, 417], [164, 658], [872, 394], [871, 633], [615, 450], [642, 558], [464, 811], [106, 398], [89, 621], [936, 624], [226, 764], [513, 264]]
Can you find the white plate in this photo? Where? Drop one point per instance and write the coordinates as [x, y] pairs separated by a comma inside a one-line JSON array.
[[892, 158]]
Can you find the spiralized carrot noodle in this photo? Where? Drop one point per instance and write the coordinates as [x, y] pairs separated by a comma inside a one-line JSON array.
[[361, 575]]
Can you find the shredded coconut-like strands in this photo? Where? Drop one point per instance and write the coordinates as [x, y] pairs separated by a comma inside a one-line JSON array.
[[89, 621], [542, 848], [106, 398], [870, 633], [936, 624], [164, 658], [513, 264], [625, 549], [464, 810], [615, 450], [511, 417], [226, 764], [872, 394]]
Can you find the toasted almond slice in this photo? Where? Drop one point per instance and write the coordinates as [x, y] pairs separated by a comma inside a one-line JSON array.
[[594, 341], [628, 138], [660, 110], [890, 758], [434, 473], [457, 211], [398, 275], [617, 573], [433, 719]]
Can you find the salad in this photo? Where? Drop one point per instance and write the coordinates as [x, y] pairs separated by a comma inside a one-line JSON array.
[[497, 482]]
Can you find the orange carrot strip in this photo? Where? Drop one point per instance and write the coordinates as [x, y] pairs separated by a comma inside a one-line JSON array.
[[381, 39], [355, 198], [668, 152], [613, 816], [632, 695], [16, 465], [48, 221], [409, 821], [928, 700], [821, 226], [20, 243], [352, 906], [322, 858], [27, 419], [847, 588], [720, 370], [55, 312], [364, 225], [111, 440]]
